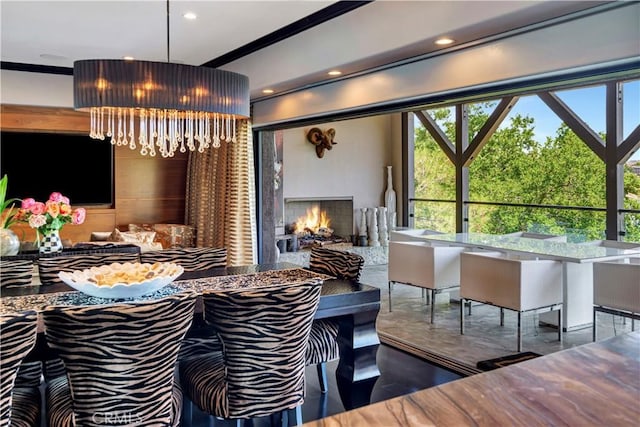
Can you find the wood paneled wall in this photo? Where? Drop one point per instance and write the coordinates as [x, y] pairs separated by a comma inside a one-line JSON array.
[[147, 189]]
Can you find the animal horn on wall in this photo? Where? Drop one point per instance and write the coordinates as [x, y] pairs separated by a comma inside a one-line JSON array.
[[323, 140]]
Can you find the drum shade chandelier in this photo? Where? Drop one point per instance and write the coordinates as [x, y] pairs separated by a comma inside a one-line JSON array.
[[178, 106]]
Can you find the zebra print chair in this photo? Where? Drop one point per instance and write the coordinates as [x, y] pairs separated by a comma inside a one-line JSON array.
[[15, 273], [191, 259], [323, 342], [120, 361], [260, 372], [49, 268], [19, 405], [199, 339]]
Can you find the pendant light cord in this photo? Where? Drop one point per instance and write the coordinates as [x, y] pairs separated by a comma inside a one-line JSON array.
[[168, 55]]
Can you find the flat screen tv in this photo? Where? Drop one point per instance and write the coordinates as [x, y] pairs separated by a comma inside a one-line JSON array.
[[75, 165]]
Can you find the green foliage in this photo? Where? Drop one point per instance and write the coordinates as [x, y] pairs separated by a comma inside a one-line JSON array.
[[514, 168], [6, 206]]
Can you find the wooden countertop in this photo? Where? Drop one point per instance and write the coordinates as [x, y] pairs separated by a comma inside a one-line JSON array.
[[596, 384]]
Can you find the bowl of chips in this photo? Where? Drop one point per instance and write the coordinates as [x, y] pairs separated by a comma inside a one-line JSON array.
[[122, 280]]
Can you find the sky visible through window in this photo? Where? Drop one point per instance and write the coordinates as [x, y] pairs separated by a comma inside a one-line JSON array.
[[589, 104]]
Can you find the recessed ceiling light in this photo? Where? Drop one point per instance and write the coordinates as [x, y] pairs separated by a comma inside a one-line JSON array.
[[444, 41], [267, 91], [334, 73], [128, 58], [190, 15]]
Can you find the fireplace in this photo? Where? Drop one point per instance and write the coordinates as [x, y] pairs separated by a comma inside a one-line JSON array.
[[319, 221]]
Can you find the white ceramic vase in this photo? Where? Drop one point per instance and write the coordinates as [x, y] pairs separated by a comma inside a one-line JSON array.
[[373, 228], [390, 200], [383, 230]]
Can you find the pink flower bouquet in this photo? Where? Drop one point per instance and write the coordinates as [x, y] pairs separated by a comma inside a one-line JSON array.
[[51, 215]]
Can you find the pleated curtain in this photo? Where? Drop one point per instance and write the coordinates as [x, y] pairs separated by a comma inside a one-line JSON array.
[[220, 197]]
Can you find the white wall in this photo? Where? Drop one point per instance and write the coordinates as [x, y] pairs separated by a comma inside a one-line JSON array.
[[45, 90], [356, 166]]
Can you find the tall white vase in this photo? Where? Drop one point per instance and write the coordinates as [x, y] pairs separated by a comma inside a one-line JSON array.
[[362, 231], [390, 200], [373, 228], [382, 226]]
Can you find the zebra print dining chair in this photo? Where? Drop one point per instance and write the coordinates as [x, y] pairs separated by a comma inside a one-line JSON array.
[[15, 273], [260, 370], [19, 404], [119, 361], [323, 342], [199, 339]]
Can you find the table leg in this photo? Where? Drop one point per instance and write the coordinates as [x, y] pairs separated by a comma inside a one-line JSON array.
[[357, 370]]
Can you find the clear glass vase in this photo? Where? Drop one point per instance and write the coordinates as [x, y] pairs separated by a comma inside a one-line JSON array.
[[9, 242]]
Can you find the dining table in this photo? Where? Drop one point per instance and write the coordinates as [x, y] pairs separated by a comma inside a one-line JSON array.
[[354, 305], [577, 287], [594, 384]]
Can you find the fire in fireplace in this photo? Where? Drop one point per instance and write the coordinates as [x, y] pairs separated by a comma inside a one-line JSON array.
[[313, 229]]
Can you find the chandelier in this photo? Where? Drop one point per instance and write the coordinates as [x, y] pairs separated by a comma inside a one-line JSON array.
[[178, 107]]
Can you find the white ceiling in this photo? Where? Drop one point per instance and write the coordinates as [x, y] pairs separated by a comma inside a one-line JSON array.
[[56, 33]]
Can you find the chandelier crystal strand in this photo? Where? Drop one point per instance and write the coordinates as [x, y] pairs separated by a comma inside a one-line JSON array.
[[92, 122], [222, 136], [101, 134], [207, 130], [142, 138], [234, 139], [189, 133], [216, 132], [132, 133], [228, 119], [125, 141], [119, 126], [111, 126]]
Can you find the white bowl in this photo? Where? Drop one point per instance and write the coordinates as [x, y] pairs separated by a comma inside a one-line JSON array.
[[122, 280]]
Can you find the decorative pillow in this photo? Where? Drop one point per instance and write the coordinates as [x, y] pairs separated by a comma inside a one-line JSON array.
[[100, 236], [132, 237], [162, 236]]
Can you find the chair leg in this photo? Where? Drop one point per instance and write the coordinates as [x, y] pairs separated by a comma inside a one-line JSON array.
[[322, 376], [390, 284], [278, 419], [294, 416], [519, 331], [461, 316], [501, 316], [433, 303], [186, 418], [595, 327], [560, 324]]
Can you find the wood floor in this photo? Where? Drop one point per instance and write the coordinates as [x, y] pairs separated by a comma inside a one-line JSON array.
[[400, 374]]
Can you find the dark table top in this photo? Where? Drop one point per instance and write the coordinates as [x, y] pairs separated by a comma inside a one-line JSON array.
[[338, 297]]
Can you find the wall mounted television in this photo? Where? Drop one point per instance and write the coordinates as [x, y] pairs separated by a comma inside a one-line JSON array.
[[75, 165]]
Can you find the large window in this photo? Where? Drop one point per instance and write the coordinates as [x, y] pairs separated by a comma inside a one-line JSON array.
[[532, 172]]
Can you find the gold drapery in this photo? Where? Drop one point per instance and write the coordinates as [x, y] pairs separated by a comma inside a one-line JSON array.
[[220, 197]]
